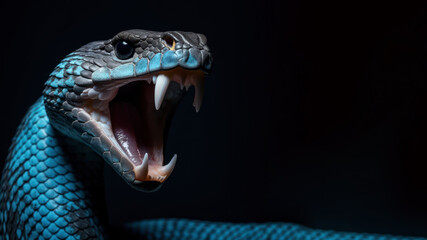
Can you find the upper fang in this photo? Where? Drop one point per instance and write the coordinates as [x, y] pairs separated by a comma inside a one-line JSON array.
[[162, 83]]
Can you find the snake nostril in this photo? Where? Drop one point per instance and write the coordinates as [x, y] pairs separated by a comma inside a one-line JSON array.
[[170, 42]]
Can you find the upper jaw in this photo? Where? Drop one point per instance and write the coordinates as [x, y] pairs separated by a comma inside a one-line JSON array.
[[143, 163]]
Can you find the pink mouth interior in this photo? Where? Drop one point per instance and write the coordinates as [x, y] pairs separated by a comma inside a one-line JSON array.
[[137, 126]]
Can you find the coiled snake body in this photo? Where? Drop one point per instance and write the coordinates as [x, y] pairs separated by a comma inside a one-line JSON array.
[[111, 101]]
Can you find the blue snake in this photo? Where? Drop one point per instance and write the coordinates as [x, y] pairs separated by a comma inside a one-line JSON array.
[[111, 102]]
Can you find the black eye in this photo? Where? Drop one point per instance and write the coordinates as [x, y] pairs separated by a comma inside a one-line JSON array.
[[124, 50]]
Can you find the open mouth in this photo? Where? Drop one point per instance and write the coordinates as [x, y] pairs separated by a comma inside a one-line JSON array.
[[140, 114]]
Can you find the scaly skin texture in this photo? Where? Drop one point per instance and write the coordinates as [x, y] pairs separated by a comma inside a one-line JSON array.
[[177, 229], [51, 186]]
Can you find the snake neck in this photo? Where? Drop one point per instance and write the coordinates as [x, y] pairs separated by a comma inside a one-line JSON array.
[[52, 186]]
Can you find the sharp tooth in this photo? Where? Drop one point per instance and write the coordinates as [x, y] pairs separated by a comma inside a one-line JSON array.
[[167, 169], [154, 79], [141, 171], [162, 83], [198, 96]]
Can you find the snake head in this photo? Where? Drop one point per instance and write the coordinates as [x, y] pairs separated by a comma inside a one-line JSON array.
[[118, 97]]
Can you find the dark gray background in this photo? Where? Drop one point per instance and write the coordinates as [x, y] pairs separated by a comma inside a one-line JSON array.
[[315, 112]]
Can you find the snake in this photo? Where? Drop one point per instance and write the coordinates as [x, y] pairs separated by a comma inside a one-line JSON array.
[[111, 102]]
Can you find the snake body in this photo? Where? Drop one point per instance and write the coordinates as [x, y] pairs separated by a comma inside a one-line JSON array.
[[51, 186]]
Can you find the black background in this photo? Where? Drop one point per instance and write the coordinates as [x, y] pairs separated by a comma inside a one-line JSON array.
[[315, 112]]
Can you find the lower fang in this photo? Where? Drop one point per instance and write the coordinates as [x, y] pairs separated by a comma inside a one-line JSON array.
[[141, 171], [167, 169]]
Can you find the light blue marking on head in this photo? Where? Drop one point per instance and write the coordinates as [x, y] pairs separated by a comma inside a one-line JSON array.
[[141, 66], [182, 56], [155, 62], [102, 74], [123, 71], [191, 62], [169, 60]]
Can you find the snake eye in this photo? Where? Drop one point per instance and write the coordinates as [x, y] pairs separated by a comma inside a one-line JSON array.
[[124, 50]]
